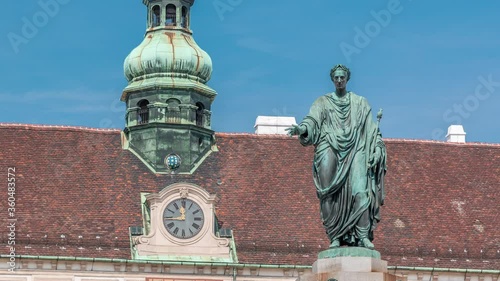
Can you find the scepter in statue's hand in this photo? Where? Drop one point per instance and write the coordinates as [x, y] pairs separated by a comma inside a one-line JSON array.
[[379, 116], [376, 157]]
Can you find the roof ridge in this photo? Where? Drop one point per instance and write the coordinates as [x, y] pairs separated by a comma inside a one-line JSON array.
[[392, 140], [56, 127], [228, 134]]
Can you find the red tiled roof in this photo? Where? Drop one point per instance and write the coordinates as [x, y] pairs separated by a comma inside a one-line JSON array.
[[441, 208]]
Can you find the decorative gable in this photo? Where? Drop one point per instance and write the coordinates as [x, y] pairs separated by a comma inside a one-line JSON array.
[[180, 224]]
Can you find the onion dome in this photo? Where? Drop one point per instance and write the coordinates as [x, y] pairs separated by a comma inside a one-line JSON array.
[[168, 54], [168, 49]]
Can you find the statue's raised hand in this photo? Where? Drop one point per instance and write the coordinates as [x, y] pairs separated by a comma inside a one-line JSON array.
[[296, 130]]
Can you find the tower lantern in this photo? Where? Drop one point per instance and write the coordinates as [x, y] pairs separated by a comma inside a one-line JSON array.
[[172, 14]]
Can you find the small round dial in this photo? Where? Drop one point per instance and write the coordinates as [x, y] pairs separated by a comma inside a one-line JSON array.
[[183, 218]]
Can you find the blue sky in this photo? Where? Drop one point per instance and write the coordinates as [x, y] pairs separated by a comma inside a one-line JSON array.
[[428, 64]]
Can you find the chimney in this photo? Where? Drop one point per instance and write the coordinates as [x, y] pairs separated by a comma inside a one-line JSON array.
[[273, 125], [456, 134]]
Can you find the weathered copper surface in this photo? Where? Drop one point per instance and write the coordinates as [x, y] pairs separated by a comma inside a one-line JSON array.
[[349, 162]]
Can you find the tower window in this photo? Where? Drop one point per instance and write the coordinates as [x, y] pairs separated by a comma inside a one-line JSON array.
[[184, 22], [173, 102], [156, 16], [199, 114], [173, 111], [143, 112], [171, 15]]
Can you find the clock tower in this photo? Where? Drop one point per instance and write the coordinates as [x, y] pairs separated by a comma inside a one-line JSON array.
[[168, 115]]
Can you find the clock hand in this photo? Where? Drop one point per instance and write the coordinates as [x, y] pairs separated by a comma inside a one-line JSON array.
[[176, 218], [183, 213], [182, 217]]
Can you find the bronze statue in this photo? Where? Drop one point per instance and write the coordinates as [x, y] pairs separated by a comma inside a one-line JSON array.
[[349, 162]]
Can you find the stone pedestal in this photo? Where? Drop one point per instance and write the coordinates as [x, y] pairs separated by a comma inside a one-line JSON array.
[[349, 264]]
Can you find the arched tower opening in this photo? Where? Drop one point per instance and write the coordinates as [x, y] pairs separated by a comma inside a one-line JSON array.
[[184, 17], [143, 112], [199, 114], [156, 16], [171, 15]]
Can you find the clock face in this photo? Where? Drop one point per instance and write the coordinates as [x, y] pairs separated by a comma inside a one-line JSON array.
[[183, 218]]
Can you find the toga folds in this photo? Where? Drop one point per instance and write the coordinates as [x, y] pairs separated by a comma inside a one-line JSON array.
[[345, 137]]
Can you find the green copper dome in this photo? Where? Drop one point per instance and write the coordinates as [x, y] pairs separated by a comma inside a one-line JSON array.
[[168, 49], [168, 54]]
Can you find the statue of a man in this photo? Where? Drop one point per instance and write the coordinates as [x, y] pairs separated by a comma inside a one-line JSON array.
[[349, 162]]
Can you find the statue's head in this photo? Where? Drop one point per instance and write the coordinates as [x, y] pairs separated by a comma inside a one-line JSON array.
[[340, 74]]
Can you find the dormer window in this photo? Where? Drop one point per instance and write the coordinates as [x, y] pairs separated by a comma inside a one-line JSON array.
[[156, 16], [171, 15], [143, 112], [184, 18]]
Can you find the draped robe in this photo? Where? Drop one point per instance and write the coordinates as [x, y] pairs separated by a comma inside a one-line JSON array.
[[350, 192]]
